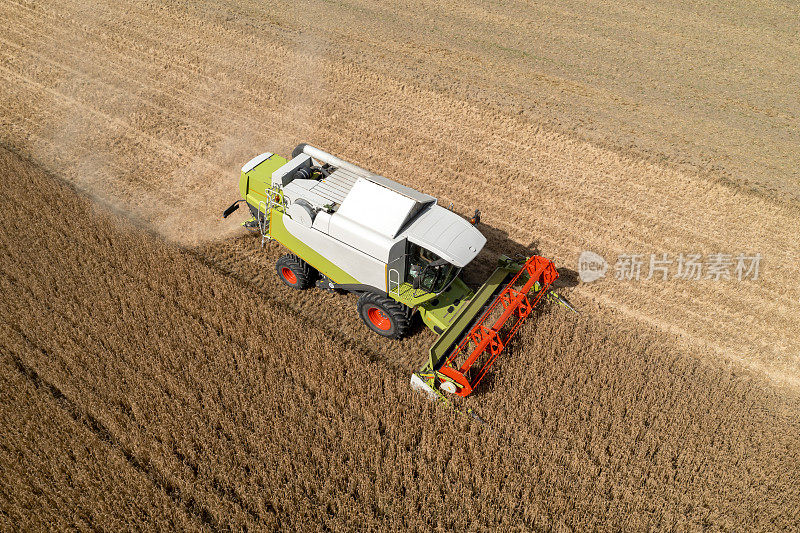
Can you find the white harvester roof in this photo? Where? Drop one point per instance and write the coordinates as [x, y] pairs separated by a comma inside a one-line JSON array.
[[378, 208], [391, 214], [372, 213], [446, 234]]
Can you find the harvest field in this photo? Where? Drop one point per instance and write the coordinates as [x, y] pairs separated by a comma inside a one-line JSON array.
[[155, 371]]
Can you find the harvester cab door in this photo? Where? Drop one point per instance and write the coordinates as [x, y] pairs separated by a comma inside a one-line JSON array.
[[427, 272]]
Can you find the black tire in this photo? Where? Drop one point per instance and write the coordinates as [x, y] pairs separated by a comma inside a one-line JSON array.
[[295, 272], [383, 315]]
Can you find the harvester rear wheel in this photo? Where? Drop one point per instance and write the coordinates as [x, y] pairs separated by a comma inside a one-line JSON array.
[[294, 272], [383, 315]]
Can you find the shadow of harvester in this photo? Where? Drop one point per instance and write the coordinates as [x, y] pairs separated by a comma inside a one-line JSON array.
[[498, 243]]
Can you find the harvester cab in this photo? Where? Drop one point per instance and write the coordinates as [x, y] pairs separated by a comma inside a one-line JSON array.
[[350, 229]]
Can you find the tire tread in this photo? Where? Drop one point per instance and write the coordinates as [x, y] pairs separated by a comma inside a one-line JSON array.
[[302, 270], [398, 312]]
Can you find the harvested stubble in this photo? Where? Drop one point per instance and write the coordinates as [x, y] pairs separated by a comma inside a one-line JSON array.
[[153, 110], [205, 395]]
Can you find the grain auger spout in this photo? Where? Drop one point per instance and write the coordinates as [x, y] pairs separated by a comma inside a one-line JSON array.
[[349, 229]]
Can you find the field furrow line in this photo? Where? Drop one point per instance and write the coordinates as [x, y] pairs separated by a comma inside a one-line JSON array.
[[153, 85], [507, 140], [82, 416], [145, 60], [73, 103], [99, 349]]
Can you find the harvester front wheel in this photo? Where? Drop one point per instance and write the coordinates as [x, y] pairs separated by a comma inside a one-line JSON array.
[[383, 315], [294, 272]]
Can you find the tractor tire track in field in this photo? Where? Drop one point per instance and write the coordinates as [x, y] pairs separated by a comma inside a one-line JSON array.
[[156, 476], [55, 460]]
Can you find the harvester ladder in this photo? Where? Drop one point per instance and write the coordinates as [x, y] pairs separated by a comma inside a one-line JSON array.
[[275, 198], [393, 281], [263, 220]]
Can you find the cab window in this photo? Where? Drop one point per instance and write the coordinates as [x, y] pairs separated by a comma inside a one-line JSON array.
[[427, 271]]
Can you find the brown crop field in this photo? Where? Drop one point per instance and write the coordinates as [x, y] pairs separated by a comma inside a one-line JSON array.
[[156, 374]]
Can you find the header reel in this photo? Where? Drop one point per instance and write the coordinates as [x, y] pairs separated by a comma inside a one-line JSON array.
[[462, 355]]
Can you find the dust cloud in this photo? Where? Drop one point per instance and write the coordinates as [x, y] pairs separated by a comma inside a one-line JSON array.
[[165, 183]]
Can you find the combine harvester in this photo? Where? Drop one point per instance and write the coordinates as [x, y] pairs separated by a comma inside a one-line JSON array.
[[353, 230]]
